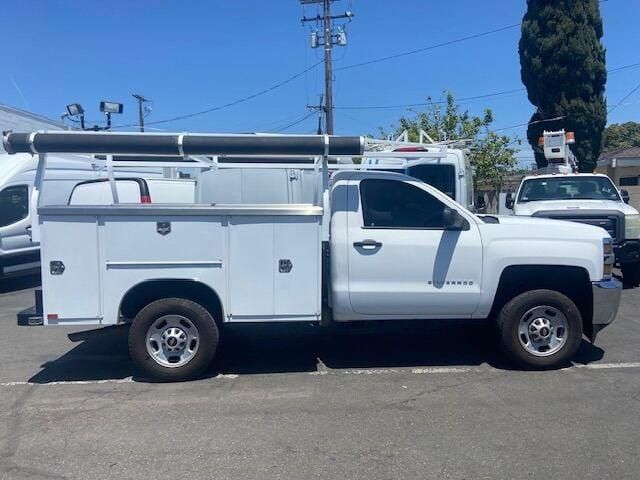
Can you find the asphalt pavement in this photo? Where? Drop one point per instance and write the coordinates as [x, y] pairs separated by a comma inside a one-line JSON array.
[[392, 401]]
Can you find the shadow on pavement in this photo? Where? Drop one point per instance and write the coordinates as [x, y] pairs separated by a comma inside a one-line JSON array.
[[299, 348], [13, 284]]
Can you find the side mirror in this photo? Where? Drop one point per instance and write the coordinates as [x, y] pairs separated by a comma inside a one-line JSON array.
[[508, 201], [625, 196], [480, 205], [452, 220]]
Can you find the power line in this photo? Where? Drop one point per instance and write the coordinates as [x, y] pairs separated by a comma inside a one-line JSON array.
[[423, 104], [624, 98], [292, 124], [633, 65], [462, 99], [230, 104], [430, 47], [529, 123]]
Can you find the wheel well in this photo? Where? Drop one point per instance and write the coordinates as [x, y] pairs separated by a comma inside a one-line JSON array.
[[144, 293], [573, 282]]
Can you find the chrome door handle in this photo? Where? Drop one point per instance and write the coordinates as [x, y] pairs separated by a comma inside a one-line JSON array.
[[370, 244]]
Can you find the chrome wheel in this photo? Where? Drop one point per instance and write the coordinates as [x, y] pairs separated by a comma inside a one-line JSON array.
[[542, 331], [172, 341]]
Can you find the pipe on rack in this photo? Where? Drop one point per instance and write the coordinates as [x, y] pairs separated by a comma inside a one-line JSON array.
[[180, 144]]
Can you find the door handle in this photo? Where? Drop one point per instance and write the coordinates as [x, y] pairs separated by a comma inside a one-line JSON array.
[[370, 244]]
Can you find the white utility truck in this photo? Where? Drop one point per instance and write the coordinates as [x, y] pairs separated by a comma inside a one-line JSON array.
[[375, 246], [558, 192]]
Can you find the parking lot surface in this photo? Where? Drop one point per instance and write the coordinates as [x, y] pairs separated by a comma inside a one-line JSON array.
[[391, 401]]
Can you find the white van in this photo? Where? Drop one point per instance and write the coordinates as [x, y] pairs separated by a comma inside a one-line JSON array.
[[18, 253]]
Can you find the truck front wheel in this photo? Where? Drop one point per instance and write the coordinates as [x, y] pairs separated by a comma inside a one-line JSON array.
[[540, 329], [631, 273], [173, 339]]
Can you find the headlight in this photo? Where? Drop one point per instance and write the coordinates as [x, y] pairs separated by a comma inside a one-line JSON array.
[[632, 227]]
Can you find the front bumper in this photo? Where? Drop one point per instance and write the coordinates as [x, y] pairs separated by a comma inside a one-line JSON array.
[[627, 252], [606, 300]]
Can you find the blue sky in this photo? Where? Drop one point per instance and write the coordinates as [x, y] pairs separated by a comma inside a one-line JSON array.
[[190, 55]]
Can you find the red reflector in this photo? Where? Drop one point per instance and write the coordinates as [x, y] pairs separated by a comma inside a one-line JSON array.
[[411, 149], [145, 199], [52, 316]]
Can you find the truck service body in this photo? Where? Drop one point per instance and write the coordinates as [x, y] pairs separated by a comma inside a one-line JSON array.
[[376, 246]]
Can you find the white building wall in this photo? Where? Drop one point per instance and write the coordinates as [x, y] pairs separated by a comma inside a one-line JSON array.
[[18, 120]]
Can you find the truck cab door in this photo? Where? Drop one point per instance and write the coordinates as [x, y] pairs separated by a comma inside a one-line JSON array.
[[402, 259]]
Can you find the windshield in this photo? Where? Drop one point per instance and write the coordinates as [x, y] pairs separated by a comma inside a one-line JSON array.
[[568, 188]]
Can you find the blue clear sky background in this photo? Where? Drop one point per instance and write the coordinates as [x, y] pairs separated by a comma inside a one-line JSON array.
[[190, 55]]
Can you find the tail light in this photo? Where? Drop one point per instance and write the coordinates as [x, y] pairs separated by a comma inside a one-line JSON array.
[[145, 199]]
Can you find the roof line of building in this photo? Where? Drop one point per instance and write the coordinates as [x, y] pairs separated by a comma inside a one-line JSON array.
[[34, 116]]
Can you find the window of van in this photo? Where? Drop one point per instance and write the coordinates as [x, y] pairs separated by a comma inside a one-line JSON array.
[[442, 177], [14, 204]]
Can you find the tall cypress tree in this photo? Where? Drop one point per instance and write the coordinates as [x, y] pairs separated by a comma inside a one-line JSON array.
[[563, 67]]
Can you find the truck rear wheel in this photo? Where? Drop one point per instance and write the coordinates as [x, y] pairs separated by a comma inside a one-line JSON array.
[[540, 329], [631, 273], [173, 339]]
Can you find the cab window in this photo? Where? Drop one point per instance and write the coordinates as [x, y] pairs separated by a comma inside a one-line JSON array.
[[14, 204], [393, 204]]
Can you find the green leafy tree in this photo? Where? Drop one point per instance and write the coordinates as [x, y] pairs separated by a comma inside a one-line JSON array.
[[443, 122], [492, 156], [621, 136], [563, 67], [493, 159]]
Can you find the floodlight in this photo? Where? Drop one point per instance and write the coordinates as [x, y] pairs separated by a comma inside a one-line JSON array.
[[110, 107], [75, 109]]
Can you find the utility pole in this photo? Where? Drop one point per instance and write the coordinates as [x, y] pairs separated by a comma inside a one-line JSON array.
[[141, 100], [327, 39]]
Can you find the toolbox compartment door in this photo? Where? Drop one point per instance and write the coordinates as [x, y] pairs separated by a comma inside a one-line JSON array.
[[70, 270]]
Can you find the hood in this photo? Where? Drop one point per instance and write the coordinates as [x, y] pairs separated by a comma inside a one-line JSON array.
[[530, 208], [546, 228]]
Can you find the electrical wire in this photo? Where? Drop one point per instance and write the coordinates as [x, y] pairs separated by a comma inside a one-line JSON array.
[[462, 99], [624, 98], [226, 105], [529, 123], [424, 104], [614, 70], [286, 127], [430, 47]]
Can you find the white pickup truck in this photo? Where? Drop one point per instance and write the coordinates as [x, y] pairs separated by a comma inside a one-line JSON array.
[[377, 246], [589, 198]]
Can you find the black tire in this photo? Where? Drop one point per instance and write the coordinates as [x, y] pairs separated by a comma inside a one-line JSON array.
[[631, 273], [515, 310], [200, 318]]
